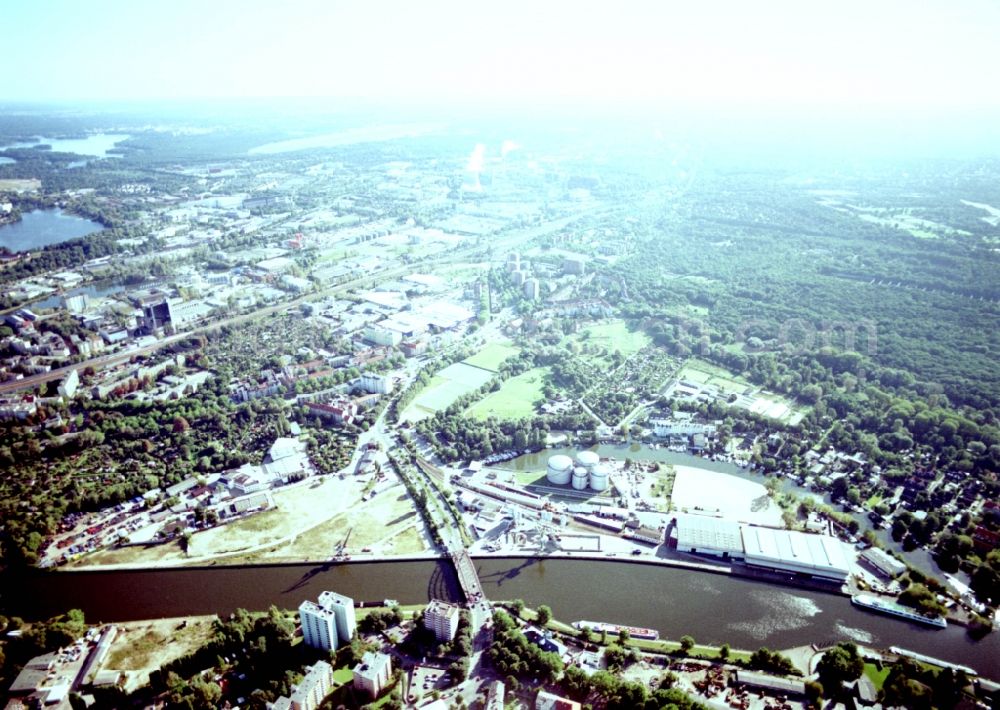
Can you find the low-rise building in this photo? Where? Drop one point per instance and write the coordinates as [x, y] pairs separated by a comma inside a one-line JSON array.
[[883, 562], [771, 683], [550, 701]]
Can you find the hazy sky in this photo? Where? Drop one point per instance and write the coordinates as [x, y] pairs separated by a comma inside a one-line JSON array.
[[865, 51]]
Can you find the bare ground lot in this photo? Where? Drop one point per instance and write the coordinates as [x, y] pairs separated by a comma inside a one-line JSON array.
[[144, 646], [310, 521]]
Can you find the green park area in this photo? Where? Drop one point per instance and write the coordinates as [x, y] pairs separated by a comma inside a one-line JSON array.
[[491, 356], [458, 379], [516, 398], [444, 388], [614, 335]]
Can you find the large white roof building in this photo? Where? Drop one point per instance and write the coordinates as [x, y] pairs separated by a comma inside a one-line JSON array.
[[786, 550], [820, 556], [709, 536]]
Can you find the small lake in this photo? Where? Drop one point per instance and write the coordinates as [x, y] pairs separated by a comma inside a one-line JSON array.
[[43, 227], [96, 145]]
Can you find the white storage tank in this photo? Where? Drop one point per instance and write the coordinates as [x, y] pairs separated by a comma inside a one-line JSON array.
[[599, 477], [580, 477], [560, 469], [587, 459]]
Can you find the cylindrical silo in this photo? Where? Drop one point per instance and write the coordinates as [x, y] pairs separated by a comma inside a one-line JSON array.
[[599, 477], [560, 469], [587, 459], [580, 475]]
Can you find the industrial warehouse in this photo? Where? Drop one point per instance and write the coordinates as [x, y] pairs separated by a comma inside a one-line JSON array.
[[574, 493], [804, 554]]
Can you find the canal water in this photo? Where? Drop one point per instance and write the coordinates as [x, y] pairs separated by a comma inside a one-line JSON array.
[[96, 290], [712, 608], [40, 228]]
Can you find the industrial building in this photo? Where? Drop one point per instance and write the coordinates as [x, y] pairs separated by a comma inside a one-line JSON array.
[[883, 562], [816, 556], [585, 472], [820, 556], [372, 674], [441, 618], [703, 535]]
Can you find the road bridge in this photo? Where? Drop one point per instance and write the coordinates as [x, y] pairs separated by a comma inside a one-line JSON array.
[[468, 578]]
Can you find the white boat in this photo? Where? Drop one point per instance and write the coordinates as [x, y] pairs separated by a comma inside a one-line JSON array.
[[867, 601]]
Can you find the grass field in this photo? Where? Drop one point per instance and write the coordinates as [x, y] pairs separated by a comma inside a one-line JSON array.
[[444, 388], [615, 335], [515, 399], [490, 357], [705, 373], [876, 676]]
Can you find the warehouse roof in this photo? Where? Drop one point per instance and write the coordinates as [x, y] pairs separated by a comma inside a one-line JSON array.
[[704, 533], [786, 548]]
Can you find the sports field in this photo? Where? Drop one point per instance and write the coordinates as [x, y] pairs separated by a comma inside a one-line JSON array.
[[444, 388], [516, 398], [749, 397], [491, 356]]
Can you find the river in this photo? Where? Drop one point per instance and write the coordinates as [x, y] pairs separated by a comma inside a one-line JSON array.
[[40, 228], [713, 608]]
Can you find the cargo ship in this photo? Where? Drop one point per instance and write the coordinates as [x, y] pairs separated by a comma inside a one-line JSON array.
[[636, 632], [866, 601]]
